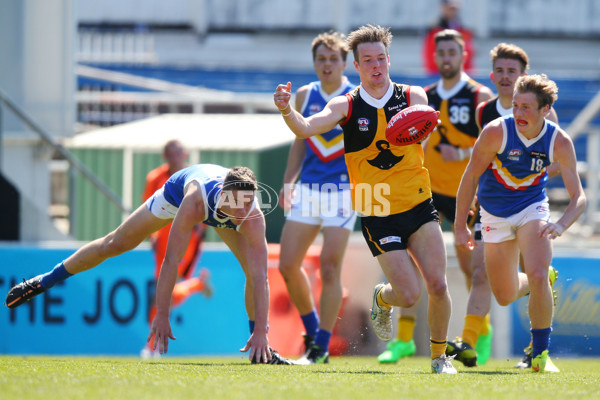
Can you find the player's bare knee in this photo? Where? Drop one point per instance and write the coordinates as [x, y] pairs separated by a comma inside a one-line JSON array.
[[537, 278], [111, 246], [287, 270], [329, 274], [504, 298], [437, 287], [480, 277], [504, 301], [410, 298]]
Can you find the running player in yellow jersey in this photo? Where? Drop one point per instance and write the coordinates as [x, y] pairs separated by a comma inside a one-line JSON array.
[[447, 153], [389, 186]]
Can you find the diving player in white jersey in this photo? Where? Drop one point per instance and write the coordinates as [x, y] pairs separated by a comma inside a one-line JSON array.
[[211, 194], [508, 168], [321, 200]]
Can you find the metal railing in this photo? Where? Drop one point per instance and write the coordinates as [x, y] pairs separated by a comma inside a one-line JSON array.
[[582, 124], [48, 139], [104, 108]]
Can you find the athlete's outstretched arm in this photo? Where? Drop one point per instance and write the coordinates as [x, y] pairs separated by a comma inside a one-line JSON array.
[[485, 150], [332, 114], [253, 230], [189, 213]]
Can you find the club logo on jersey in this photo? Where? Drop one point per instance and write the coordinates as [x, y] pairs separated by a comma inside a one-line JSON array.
[[363, 124], [514, 154], [539, 155], [385, 159], [314, 108], [390, 239]]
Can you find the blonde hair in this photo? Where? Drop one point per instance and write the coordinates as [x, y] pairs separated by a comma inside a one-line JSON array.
[[511, 52], [545, 90], [333, 41], [369, 34]]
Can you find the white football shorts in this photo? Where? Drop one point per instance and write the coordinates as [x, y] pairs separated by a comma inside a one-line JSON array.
[[324, 208], [496, 229], [160, 207]]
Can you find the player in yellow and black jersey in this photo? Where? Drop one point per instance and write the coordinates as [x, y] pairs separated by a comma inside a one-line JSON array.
[[447, 153], [390, 188], [371, 159], [449, 146]]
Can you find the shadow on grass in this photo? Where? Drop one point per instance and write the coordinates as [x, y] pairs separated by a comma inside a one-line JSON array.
[[491, 372], [352, 372], [199, 364]]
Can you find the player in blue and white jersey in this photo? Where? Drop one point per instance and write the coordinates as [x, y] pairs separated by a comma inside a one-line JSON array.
[[211, 194], [321, 200], [509, 165]]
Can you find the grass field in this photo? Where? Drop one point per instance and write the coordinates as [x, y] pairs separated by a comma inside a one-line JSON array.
[[234, 378]]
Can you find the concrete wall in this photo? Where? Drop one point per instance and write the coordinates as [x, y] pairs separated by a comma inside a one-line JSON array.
[[36, 40]]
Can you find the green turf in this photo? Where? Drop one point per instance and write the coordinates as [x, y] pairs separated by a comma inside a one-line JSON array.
[[234, 378]]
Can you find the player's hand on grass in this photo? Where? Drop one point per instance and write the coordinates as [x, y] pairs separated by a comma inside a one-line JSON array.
[[160, 333], [258, 344]]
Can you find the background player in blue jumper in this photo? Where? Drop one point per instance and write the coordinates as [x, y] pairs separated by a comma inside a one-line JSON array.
[[319, 200], [508, 168]]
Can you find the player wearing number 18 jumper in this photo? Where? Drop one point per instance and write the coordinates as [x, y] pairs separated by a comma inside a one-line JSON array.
[[509, 171]]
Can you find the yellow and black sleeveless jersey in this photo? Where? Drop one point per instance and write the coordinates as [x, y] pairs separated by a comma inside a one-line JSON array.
[[458, 128], [385, 179]]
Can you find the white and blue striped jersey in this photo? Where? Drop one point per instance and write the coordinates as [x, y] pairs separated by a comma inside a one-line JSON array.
[[518, 174]]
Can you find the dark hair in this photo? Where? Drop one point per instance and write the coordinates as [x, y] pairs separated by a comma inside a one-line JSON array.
[[173, 142], [369, 34], [450, 35], [545, 90], [511, 52], [240, 178], [333, 41]]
